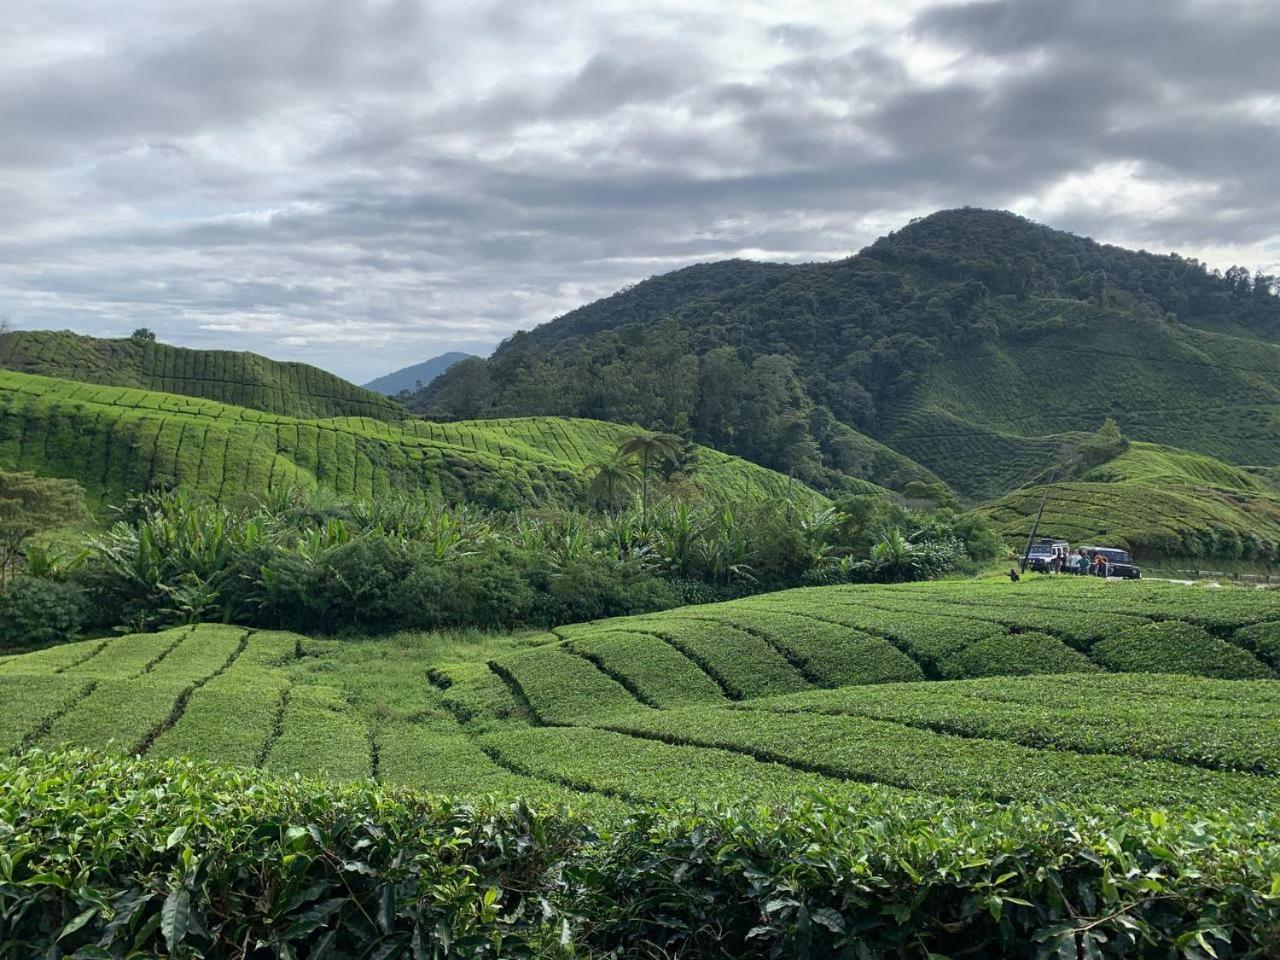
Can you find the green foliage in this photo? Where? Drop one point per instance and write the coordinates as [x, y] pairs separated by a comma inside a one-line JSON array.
[[1263, 639], [179, 865], [30, 505], [1154, 501], [243, 379], [118, 442], [1173, 647], [1015, 654], [968, 346], [1107, 444], [36, 613]]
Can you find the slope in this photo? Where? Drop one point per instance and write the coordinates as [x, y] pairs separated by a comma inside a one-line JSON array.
[[415, 377], [243, 379], [972, 342], [117, 441], [763, 699], [1158, 502]]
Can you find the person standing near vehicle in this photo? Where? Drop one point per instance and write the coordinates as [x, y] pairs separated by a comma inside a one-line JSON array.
[[1080, 562], [1100, 565]]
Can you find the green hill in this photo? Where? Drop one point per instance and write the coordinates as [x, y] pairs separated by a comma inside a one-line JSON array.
[[118, 440], [767, 698], [1158, 502], [243, 379], [971, 343]]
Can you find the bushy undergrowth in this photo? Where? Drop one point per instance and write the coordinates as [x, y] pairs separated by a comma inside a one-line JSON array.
[[36, 612], [108, 858], [315, 563]]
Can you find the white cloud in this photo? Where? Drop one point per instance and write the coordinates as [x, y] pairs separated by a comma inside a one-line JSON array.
[[360, 183]]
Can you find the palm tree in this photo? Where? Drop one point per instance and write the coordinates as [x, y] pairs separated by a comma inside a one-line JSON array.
[[610, 478], [647, 446]]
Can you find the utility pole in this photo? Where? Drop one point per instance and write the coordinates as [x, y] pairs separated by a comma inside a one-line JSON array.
[[1031, 538]]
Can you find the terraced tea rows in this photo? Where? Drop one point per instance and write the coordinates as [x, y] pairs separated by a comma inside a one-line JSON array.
[[243, 379], [117, 441], [755, 699], [1156, 501]]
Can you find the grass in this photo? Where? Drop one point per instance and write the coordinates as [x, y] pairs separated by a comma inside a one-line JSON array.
[[981, 689], [118, 441]]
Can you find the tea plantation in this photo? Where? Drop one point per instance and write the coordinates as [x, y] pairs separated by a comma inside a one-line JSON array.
[[1070, 689], [117, 441], [243, 379], [1158, 502], [987, 752]]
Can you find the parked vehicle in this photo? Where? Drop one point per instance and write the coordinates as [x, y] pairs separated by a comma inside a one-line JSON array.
[[1048, 555], [1119, 563]]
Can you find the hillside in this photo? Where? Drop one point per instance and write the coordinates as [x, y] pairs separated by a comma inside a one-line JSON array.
[[767, 698], [1157, 501], [242, 379], [117, 441], [415, 377], [971, 342]]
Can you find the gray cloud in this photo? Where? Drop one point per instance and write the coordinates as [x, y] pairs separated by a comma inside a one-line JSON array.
[[360, 183]]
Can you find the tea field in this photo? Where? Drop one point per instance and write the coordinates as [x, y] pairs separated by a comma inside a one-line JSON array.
[[1158, 502], [118, 441], [242, 379], [1068, 689]]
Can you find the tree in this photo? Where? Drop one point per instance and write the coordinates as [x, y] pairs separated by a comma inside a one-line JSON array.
[[30, 505], [1107, 444], [646, 447], [143, 335], [612, 480]]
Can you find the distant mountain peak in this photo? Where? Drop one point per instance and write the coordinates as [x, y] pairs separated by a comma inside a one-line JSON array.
[[418, 375]]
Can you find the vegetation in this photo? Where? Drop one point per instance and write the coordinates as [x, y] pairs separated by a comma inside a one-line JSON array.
[[30, 505], [240, 379], [314, 562], [969, 345], [757, 699], [183, 867], [117, 441], [1157, 502]]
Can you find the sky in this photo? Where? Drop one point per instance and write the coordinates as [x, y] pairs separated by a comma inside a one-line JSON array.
[[363, 184]]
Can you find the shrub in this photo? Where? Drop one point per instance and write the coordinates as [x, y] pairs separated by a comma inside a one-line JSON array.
[[1177, 647], [1263, 639], [599, 587], [40, 612], [1015, 654], [140, 858]]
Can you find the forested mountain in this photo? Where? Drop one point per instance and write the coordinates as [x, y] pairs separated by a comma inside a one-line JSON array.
[[970, 343], [417, 376], [243, 379]]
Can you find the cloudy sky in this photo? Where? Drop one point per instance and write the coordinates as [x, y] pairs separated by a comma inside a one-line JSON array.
[[364, 183]]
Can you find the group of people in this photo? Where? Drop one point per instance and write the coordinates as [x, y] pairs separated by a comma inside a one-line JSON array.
[[1080, 563]]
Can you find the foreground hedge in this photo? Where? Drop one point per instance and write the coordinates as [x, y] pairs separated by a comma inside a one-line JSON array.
[[127, 858]]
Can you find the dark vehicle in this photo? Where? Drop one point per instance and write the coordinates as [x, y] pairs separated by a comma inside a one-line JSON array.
[[1119, 562], [1047, 556]]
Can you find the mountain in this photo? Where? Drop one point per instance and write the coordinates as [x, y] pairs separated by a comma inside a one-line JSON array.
[[417, 376], [118, 441], [243, 379], [971, 344]]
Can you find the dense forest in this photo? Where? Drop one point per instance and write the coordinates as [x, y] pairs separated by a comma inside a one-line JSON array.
[[952, 347]]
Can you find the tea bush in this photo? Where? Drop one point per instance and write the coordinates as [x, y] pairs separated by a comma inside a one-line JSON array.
[[106, 858]]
